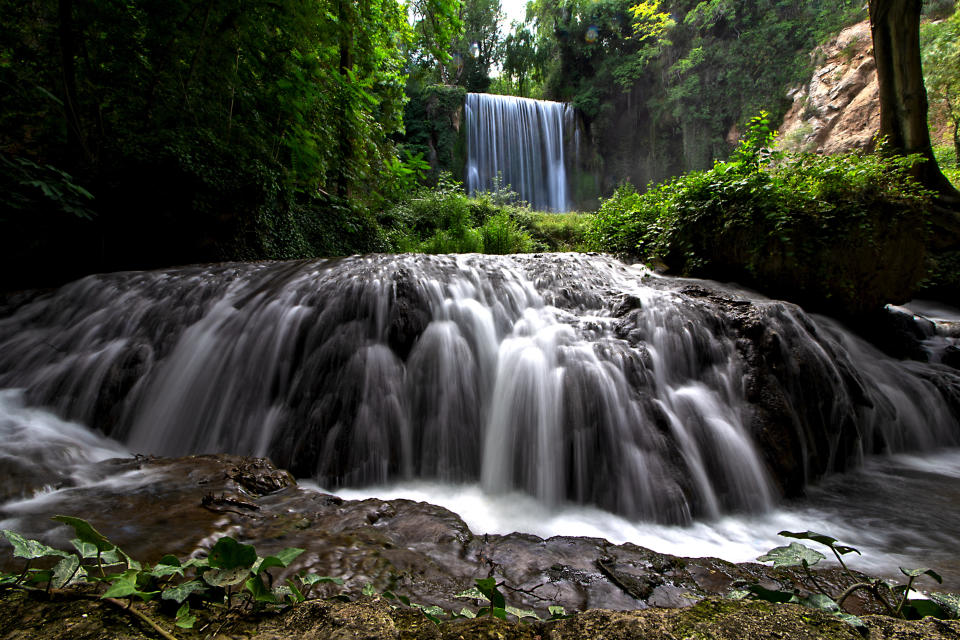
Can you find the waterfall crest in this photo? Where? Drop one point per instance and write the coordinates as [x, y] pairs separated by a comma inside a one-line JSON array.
[[573, 378], [521, 141]]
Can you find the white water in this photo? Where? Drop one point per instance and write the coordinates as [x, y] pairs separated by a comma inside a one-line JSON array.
[[521, 141], [558, 394]]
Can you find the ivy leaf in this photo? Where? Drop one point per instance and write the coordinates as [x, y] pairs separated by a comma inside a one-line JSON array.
[[282, 559], [182, 591], [295, 594], [488, 587], [466, 613], [919, 609], [67, 571], [769, 595], [557, 612], [125, 585], [227, 553], [312, 579], [949, 602], [86, 533], [522, 613], [31, 549], [852, 620], [185, 619], [226, 577], [818, 601], [916, 573], [472, 593], [259, 590], [793, 555]]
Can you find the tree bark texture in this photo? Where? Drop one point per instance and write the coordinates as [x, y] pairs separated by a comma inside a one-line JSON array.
[[895, 25]]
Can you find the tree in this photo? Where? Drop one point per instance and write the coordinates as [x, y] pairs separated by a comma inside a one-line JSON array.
[[941, 69], [895, 26], [520, 56], [479, 43]]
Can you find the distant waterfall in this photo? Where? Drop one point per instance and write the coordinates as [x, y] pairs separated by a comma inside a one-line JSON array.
[[522, 140]]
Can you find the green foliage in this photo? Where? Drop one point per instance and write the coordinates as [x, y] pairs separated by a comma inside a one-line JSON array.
[[806, 227], [445, 220], [940, 46], [217, 133], [894, 598], [197, 582]]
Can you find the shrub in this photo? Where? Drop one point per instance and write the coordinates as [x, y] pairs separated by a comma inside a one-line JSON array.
[[843, 233]]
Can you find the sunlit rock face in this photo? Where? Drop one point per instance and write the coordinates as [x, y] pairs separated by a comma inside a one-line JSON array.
[[571, 378], [838, 110]]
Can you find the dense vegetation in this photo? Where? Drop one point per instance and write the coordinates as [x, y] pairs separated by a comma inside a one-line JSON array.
[[149, 133], [142, 133], [842, 233]]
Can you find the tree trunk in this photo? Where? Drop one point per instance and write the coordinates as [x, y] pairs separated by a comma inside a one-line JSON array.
[[71, 108], [895, 25]]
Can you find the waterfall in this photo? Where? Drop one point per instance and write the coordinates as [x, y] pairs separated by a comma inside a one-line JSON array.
[[572, 378], [521, 141]]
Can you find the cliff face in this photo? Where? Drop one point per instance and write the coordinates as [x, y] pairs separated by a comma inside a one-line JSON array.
[[838, 109]]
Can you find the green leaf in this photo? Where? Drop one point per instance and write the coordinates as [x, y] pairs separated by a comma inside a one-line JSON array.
[[432, 610], [916, 573], [85, 549], [185, 619], [473, 593], [66, 572], [182, 591], [762, 593], [227, 553], [466, 613], [312, 578], [259, 590], [919, 609], [488, 587], [39, 576], [793, 555], [31, 549], [125, 585], [295, 594], [86, 533], [368, 590], [852, 620], [226, 577], [499, 613], [557, 612], [949, 602], [282, 559], [817, 601], [522, 613], [164, 570]]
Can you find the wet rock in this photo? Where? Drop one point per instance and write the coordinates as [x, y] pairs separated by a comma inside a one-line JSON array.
[[409, 315], [258, 476]]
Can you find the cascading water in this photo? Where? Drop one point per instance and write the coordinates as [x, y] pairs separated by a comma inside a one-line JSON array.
[[520, 141], [573, 378]]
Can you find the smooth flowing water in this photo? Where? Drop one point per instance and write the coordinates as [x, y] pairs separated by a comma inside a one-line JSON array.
[[554, 394], [519, 142]]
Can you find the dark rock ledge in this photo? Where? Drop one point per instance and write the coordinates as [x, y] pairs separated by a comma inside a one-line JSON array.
[[419, 550]]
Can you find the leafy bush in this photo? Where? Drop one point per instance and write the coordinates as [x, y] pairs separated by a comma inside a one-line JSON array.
[[445, 220], [843, 232]]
